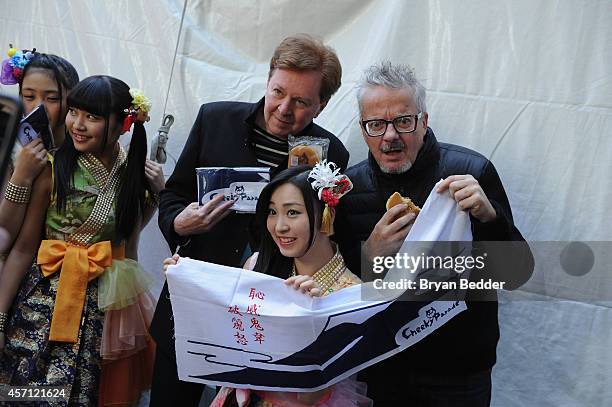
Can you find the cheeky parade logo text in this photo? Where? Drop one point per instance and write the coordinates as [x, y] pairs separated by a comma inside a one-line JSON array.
[[430, 318], [241, 185]]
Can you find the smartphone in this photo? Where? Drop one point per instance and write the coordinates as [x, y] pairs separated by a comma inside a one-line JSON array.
[[36, 125], [11, 111]]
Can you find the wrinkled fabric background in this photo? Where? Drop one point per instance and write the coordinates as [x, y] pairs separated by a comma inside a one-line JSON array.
[[527, 84]]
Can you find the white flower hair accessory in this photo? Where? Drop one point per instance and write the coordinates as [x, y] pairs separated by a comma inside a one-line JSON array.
[[330, 186]]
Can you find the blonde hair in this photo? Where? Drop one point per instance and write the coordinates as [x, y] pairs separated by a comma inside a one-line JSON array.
[[303, 52]]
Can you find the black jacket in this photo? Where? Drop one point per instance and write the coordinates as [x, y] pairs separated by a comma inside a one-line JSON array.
[[220, 137], [468, 342]]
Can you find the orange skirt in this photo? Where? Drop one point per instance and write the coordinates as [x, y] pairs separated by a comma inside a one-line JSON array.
[[123, 380]]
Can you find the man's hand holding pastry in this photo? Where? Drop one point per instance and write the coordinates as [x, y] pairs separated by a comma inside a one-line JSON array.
[[468, 193], [391, 230]]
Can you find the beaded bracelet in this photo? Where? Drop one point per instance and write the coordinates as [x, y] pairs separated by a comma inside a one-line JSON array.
[[3, 319], [17, 194]]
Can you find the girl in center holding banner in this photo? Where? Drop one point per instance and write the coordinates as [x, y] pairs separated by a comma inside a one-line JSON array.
[[297, 208]]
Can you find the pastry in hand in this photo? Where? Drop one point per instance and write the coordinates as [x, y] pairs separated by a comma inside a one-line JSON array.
[[397, 199]]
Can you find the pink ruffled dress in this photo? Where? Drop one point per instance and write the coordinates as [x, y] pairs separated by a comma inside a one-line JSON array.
[[127, 350]]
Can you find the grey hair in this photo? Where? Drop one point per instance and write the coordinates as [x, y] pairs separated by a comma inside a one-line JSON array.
[[392, 76]]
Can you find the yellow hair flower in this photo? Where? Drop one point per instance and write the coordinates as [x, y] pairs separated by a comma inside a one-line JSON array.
[[140, 101]]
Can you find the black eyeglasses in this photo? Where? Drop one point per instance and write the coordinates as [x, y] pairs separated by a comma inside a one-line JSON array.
[[401, 124]]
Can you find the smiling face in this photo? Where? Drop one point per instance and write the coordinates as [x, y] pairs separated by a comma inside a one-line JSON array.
[[394, 152], [288, 221], [38, 87], [87, 131], [291, 101]]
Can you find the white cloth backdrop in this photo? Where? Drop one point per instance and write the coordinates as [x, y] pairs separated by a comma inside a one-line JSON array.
[[528, 84]]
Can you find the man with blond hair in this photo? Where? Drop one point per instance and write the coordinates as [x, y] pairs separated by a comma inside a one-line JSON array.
[[304, 74]]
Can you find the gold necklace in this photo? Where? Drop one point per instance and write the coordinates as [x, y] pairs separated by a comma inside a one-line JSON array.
[[108, 188], [327, 275]]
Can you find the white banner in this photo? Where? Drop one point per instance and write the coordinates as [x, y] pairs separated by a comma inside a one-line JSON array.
[[249, 330], [245, 329]]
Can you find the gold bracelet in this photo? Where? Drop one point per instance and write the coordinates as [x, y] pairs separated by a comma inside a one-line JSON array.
[[17, 194], [3, 320]]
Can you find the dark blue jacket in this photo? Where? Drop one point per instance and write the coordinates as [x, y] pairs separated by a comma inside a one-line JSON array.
[[468, 342]]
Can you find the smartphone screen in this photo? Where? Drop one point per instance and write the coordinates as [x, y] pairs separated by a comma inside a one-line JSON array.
[[36, 125]]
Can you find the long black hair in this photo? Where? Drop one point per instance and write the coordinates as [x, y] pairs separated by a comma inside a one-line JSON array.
[[61, 71], [270, 259], [104, 96]]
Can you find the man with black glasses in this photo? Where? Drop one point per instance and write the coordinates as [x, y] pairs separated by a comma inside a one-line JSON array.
[[452, 366]]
